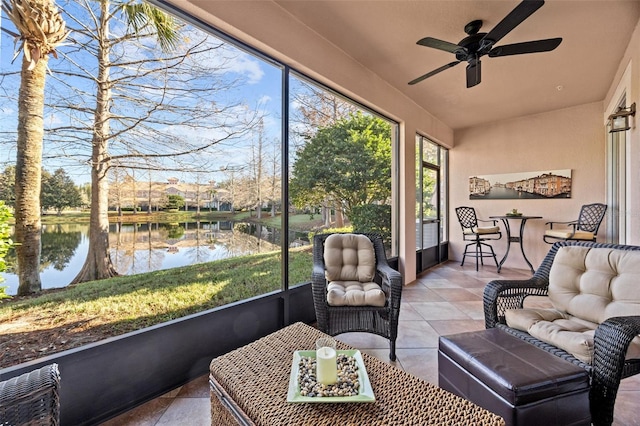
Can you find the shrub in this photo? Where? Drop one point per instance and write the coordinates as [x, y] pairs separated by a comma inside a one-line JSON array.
[[330, 231], [5, 242], [374, 218]]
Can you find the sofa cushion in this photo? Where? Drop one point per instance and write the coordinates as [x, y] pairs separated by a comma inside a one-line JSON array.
[[586, 287], [595, 283], [349, 257], [354, 293], [571, 334], [523, 319], [557, 328]]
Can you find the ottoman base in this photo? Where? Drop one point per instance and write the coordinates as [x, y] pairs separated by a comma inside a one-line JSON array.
[[514, 379]]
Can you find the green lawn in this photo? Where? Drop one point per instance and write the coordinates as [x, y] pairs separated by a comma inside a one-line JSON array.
[[55, 320], [100, 309]]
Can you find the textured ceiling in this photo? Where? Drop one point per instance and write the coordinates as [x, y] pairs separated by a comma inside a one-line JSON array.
[[382, 36]]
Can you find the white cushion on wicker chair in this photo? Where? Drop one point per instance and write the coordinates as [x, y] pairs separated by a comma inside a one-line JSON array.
[[355, 293], [579, 235], [349, 257], [350, 266]]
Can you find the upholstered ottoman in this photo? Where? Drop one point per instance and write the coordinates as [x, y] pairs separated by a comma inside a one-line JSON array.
[[514, 379]]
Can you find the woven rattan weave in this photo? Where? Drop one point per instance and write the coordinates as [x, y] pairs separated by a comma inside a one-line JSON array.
[[253, 381], [31, 398]]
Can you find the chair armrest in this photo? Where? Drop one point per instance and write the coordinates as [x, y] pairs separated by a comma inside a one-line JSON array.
[[494, 221], [31, 398], [319, 284], [500, 295], [391, 283], [317, 273], [611, 341], [319, 293], [572, 223]]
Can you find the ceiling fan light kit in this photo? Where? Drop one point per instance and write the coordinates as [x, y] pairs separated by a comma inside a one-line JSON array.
[[477, 44]]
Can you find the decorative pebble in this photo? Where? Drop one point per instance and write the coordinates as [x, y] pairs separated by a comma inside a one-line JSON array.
[[347, 385]]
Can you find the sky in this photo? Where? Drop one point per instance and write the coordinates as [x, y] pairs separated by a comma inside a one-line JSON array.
[[257, 85]]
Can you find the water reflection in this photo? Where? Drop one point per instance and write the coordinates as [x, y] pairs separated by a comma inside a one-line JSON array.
[[146, 247]]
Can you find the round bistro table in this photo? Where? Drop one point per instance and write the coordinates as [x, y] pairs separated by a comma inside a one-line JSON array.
[[523, 220]]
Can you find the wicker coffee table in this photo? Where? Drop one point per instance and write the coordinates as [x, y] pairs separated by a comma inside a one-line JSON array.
[[249, 387]]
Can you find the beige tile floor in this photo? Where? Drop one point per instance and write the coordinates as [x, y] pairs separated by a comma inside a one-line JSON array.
[[444, 300]]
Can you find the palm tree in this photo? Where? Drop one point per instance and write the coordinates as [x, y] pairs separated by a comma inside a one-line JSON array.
[[41, 30], [140, 17]]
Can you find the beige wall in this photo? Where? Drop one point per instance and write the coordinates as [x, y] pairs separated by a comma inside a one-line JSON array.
[[571, 138]]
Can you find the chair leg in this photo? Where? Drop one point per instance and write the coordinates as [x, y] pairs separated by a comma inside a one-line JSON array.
[[493, 254], [392, 353], [479, 254], [464, 255]]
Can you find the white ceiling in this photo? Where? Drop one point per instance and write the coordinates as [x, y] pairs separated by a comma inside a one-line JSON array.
[[382, 36]]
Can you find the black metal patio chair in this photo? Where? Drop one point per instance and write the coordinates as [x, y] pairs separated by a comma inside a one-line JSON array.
[[585, 228], [477, 235]]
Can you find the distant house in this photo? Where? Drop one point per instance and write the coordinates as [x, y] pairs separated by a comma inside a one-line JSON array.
[[146, 195]]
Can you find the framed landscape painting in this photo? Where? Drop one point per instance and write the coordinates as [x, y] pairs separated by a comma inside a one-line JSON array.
[[524, 185]]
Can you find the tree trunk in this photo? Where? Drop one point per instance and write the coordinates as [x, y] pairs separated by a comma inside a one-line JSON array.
[[339, 216], [98, 263], [29, 175]]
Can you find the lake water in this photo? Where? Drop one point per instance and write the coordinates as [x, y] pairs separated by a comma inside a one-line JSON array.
[[146, 247]]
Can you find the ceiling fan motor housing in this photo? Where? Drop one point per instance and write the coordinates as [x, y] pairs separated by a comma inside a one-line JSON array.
[[472, 47]]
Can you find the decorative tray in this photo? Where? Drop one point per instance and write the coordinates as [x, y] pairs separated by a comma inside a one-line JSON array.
[[366, 391], [514, 214]]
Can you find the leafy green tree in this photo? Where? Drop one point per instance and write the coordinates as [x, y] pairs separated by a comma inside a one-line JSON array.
[[59, 191], [348, 162], [8, 186], [5, 242], [174, 202]]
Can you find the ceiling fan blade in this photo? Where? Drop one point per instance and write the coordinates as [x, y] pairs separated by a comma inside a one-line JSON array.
[[440, 44], [546, 45], [473, 74], [434, 72], [512, 20]]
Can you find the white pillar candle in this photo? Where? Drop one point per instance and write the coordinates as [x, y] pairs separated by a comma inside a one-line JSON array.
[[326, 366]]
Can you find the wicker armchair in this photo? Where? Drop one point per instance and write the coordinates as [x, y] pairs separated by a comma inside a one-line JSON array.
[[31, 398], [380, 320], [611, 340]]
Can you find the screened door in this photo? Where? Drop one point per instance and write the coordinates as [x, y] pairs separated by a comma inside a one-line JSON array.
[[431, 247]]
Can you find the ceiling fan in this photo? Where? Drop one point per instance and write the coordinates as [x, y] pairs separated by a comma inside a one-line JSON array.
[[476, 44]]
